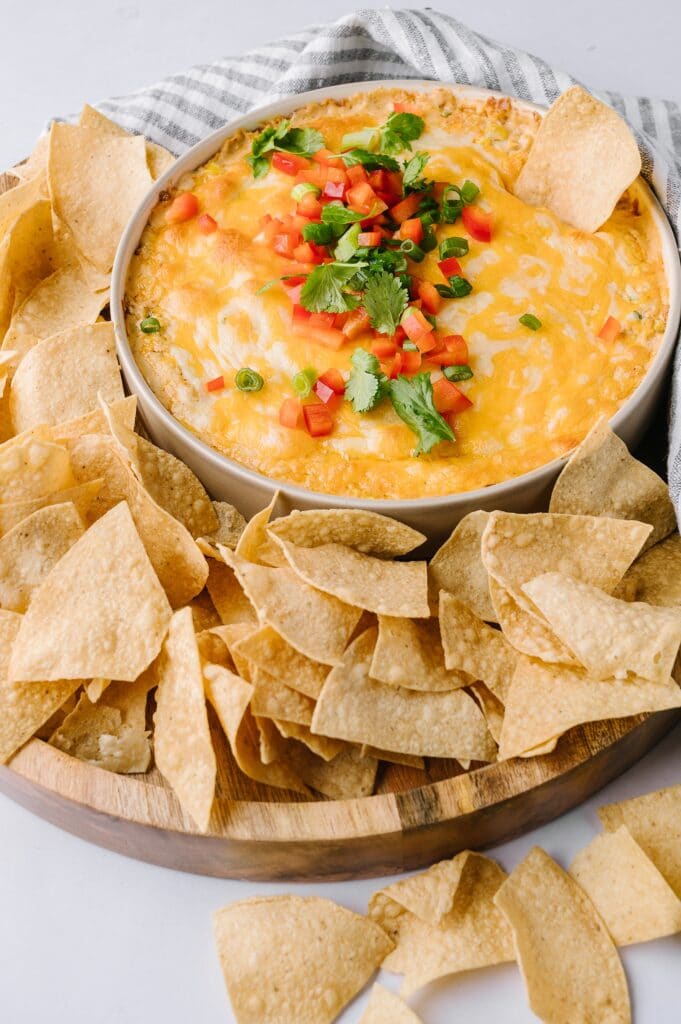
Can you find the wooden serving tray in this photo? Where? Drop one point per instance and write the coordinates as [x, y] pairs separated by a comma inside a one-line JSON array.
[[260, 833]]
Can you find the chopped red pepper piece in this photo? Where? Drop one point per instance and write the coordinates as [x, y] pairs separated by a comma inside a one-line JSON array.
[[406, 208], [610, 329], [335, 189], [216, 384], [291, 413], [357, 323], [411, 361], [183, 207], [289, 163], [329, 337], [456, 344], [415, 324], [477, 223], [384, 348], [333, 379], [429, 296], [412, 229], [309, 206], [357, 174], [450, 267], [322, 320], [327, 158], [206, 224], [447, 397], [362, 198], [318, 420], [367, 239]]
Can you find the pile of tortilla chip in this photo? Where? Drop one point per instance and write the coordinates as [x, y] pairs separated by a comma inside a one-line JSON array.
[[562, 928]]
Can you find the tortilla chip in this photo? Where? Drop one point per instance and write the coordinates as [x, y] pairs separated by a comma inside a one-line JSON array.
[[654, 821], [100, 612], [457, 567], [15, 201], [175, 488], [176, 559], [324, 747], [354, 707], [59, 378], [228, 595], [526, 631], [24, 707], [351, 775], [473, 647], [393, 757], [628, 891], [315, 624], [491, 707], [318, 956], [31, 468], [273, 699], [655, 577], [569, 964], [609, 637], [110, 733], [96, 182], [271, 653], [81, 496], [95, 688], [410, 654], [544, 701], [375, 584], [516, 548], [384, 1007], [582, 159], [26, 257], [230, 696], [31, 550], [368, 532], [231, 635], [59, 303], [182, 745], [444, 920], [158, 158], [255, 544], [603, 479], [204, 613], [231, 525], [95, 422], [36, 164], [273, 745]]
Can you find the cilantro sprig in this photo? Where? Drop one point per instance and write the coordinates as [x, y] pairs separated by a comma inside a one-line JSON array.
[[373, 147], [385, 299], [326, 288], [300, 141], [412, 400], [399, 131], [412, 178], [367, 385]]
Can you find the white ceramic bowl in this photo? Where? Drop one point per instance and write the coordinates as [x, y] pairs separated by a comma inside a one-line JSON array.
[[250, 491]]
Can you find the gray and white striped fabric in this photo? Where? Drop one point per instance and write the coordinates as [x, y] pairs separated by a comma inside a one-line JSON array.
[[369, 45]]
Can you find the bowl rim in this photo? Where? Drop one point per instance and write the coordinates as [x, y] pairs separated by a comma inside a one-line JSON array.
[[199, 154]]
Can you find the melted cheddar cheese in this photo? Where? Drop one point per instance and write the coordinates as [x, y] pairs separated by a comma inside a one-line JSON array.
[[535, 394]]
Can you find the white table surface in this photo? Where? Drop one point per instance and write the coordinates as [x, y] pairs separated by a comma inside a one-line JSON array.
[[89, 937]]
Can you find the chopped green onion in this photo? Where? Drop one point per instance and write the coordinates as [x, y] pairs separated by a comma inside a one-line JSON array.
[[451, 208], [445, 291], [299, 191], [247, 379], [303, 382], [150, 325], [469, 192], [368, 138], [409, 346], [431, 319], [348, 244], [530, 320], [429, 241], [320, 234], [457, 372], [412, 250], [460, 286], [453, 246]]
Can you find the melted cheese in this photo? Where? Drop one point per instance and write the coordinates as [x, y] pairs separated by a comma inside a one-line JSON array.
[[535, 395]]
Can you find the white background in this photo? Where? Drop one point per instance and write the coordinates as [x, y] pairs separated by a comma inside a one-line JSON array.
[[86, 936]]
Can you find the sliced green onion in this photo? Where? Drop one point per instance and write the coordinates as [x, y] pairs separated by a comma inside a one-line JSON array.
[[303, 382], [299, 191], [460, 286], [429, 241], [348, 244], [248, 380], [409, 346], [451, 208], [469, 192], [457, 372], [453, 246], [530, 320], [445, 291], [412, 250], [150, 325], [368, 138], [320, 234]]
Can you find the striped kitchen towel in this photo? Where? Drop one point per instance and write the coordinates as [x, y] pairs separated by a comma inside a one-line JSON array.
[[368, 45]]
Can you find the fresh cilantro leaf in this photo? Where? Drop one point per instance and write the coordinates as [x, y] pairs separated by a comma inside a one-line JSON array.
[[399, 132], [385, 299], [412, 178], [325, 289], [338, 216], [320, 234], [367, 384], [260, 165], [413, 402], [264, 142], [372, 161], [301, 141]]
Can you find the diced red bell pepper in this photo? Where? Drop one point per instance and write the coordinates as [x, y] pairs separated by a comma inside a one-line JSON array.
[[333, 379], [426, 343], [289, 163], [313, 175], [329, 337], [429, 296], [367, 239], [447, 398], [412, 229], [183, 207], [327, 158], [338, 174], [379, 180], [299, 314], [216, 384], [406, 108], [610, 329], [357, 174], [411, 361], [304, 253], [362, 198], [322, 319], [310, 207], [406, 208], [323, 392], [415, 325], [477, 223], [335, 189], [291, 413], [450, 267], [394, 182], [384, 348], [443, 358], [206, 224], [285, 243], [318, 420], [357, 323], [456, 344]]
